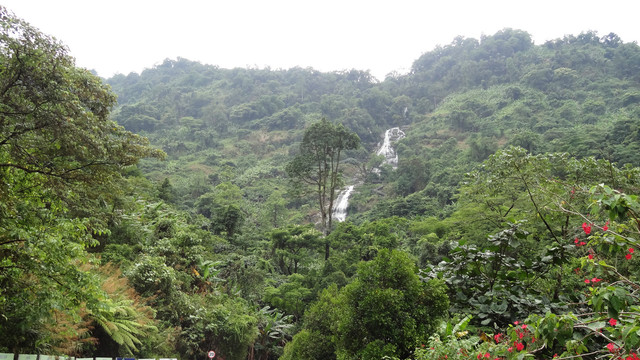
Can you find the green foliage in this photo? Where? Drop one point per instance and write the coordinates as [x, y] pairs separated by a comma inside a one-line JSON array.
[[515, 185], [609, 298], [56, 118], [494, 283], [60, 169], [462, 103], [150, 276], [291, 296], [224, 207], [316, 339], [227, 326], [275, 210], [494, 279], [122, 316], [364, 241], [308, 345], [318, 165], [601, 319], [211, 237], [294, 246], [166, 191], [451, 341], [387, 307], [274, 330]]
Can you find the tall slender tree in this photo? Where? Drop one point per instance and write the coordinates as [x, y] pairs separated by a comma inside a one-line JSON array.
[[317, 165]]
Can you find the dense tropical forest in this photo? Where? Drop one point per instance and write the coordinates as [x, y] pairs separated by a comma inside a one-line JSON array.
[[190, 208]]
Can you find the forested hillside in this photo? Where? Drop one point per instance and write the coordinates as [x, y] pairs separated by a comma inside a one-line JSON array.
[[465, 100], [507, 230]]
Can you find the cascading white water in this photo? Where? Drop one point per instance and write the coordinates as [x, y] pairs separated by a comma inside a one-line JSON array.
[[390, 155], [342, 203]]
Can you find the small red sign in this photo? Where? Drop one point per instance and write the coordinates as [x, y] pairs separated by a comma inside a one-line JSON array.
[[211, 354]]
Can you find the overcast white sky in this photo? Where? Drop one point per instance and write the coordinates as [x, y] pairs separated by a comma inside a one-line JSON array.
[[117, 36]]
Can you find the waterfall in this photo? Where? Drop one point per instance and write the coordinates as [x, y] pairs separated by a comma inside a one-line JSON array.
[[390, 155], [342, 203]]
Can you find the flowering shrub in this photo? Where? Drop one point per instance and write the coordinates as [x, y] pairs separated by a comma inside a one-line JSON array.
[[606, 324], [602, 322]]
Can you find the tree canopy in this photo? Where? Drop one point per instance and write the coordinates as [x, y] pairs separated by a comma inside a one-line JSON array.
[[61, 159], [508, 229], [318, 164]]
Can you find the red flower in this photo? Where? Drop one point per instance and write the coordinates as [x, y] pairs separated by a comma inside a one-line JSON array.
[[479, 356], [520, 335], [631, 250], [516, 322], [595, 280], [487, 355], [611, 346], [628, 256], [519, 346], [576, 241], [497, 337], [590, 256], [613, 322], [586, 281], [586, 228], [582, 243], [510, 349], [606, 226]]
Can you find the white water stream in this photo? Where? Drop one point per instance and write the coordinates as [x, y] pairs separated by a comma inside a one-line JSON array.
[[342, 203], [391, 157]]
